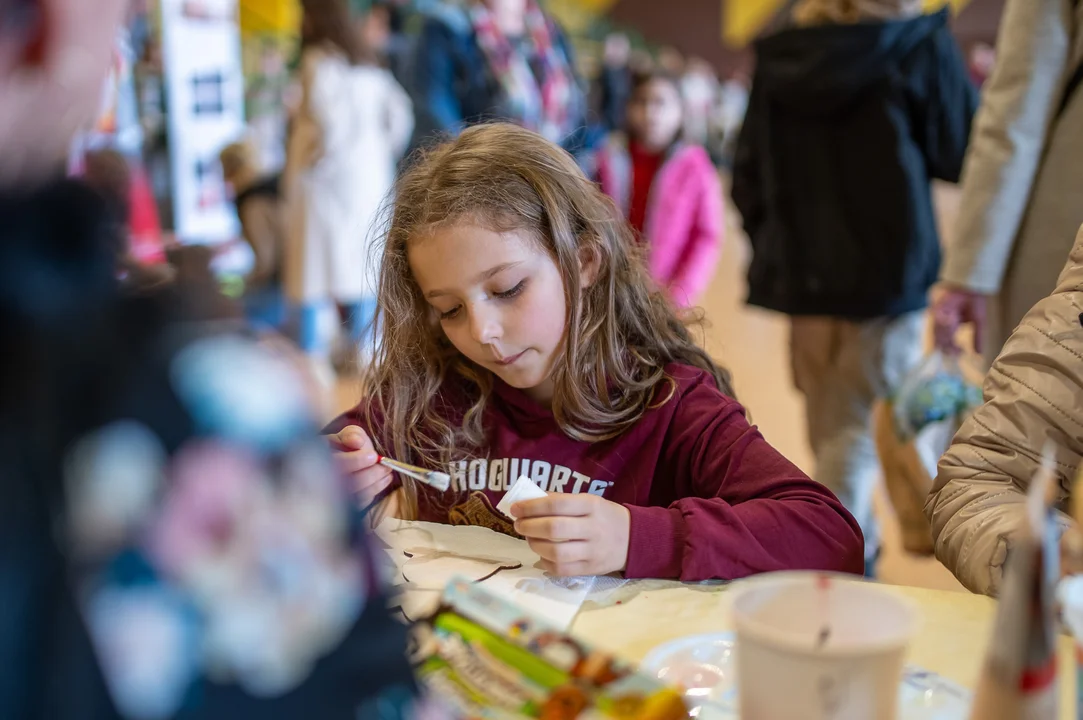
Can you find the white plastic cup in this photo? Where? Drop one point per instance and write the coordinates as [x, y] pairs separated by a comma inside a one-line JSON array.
[[1070, 594], [785, 672]]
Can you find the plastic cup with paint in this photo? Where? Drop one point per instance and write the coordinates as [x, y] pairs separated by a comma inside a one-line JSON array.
[[819, 647]]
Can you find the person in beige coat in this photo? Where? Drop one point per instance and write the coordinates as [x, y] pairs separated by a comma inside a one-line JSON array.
[[1023, 179], [1034, 396]]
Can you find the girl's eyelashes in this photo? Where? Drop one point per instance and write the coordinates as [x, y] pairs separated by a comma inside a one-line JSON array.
[[517, 290], [503, 295]]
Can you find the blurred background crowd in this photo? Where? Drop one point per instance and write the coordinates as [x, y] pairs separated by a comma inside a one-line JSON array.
[[399, 74], [338, 94]]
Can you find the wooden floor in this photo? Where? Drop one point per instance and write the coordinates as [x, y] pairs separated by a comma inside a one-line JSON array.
[[753, 344]]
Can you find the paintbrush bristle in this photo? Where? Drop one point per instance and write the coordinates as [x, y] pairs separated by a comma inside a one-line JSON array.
[[440, 481]]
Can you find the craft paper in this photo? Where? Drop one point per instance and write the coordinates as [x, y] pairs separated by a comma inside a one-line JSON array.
[[425, 556], [523, 489]]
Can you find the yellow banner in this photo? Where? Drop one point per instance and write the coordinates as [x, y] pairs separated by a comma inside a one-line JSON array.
[[743, 20], [278, 17], [956, 5], [578, 15]]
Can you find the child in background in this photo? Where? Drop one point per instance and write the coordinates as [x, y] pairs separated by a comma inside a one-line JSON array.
[[519, 336], [668, 190], [259, 209]]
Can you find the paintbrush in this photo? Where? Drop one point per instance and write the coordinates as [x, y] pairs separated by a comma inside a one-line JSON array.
[[432, 478]]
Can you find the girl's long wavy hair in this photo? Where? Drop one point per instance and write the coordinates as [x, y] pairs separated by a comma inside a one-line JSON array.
[[619, 335]]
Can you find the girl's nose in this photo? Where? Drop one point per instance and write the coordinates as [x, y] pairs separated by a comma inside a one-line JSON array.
[[484, 324]]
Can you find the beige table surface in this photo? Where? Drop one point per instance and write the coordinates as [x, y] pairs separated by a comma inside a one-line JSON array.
[[951, 641]]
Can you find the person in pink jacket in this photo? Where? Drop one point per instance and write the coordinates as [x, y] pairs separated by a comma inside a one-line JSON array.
[[667, 189]]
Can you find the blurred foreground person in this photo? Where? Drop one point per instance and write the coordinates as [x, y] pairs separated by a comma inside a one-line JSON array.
[[174, 541], [853, 113]]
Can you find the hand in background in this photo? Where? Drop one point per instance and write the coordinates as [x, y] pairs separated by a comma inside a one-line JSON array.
[[953, 308], [575, 534]]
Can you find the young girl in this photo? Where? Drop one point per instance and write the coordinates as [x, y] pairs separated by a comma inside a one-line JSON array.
[[519, 336], [668, 190]]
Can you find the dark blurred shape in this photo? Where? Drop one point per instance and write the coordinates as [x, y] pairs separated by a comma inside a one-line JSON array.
[[170, 377], [846, 127]]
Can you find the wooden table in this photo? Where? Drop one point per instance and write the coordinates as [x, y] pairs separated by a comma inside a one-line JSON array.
[[951, 641]]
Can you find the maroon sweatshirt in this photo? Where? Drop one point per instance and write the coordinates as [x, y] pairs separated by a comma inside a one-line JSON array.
[[708, 497]]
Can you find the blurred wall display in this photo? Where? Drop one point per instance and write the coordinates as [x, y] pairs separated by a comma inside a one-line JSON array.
[[205, 87]]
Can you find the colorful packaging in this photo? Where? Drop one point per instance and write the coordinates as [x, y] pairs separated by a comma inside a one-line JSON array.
[[492, 660]]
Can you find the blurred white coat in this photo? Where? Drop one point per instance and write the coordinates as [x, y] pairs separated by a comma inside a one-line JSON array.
[[354, 124]]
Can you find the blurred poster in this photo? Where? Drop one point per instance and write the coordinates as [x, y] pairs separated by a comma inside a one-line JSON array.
[[205, 99]]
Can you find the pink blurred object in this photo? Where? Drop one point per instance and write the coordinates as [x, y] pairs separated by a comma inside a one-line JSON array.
[[213, 488]]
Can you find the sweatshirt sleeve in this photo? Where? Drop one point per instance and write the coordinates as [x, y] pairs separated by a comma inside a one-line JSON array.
[[743, 507]]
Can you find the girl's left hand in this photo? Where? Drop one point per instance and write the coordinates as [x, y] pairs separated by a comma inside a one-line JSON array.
[[575, 534]]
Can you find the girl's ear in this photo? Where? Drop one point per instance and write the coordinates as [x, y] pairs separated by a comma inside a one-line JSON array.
[[590, 264]]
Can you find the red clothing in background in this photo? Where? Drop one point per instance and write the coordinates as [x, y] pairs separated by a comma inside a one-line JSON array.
[[645, 166], [708, 497]]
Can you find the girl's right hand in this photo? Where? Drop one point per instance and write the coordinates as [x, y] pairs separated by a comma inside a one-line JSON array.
[[356, 457]]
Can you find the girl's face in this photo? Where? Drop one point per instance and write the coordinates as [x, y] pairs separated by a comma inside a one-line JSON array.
[[500, 300], [655, 114]]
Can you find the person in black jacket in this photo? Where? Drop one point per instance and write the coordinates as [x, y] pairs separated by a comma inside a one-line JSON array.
[[159, 471], [854, 110]]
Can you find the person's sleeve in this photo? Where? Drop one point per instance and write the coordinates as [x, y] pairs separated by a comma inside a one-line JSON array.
[[700, 260], [1032, 398], [438, 109], [951, 106], [746, 509], [747, 190], [260, 227], [400, 116], [1008, 139]]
